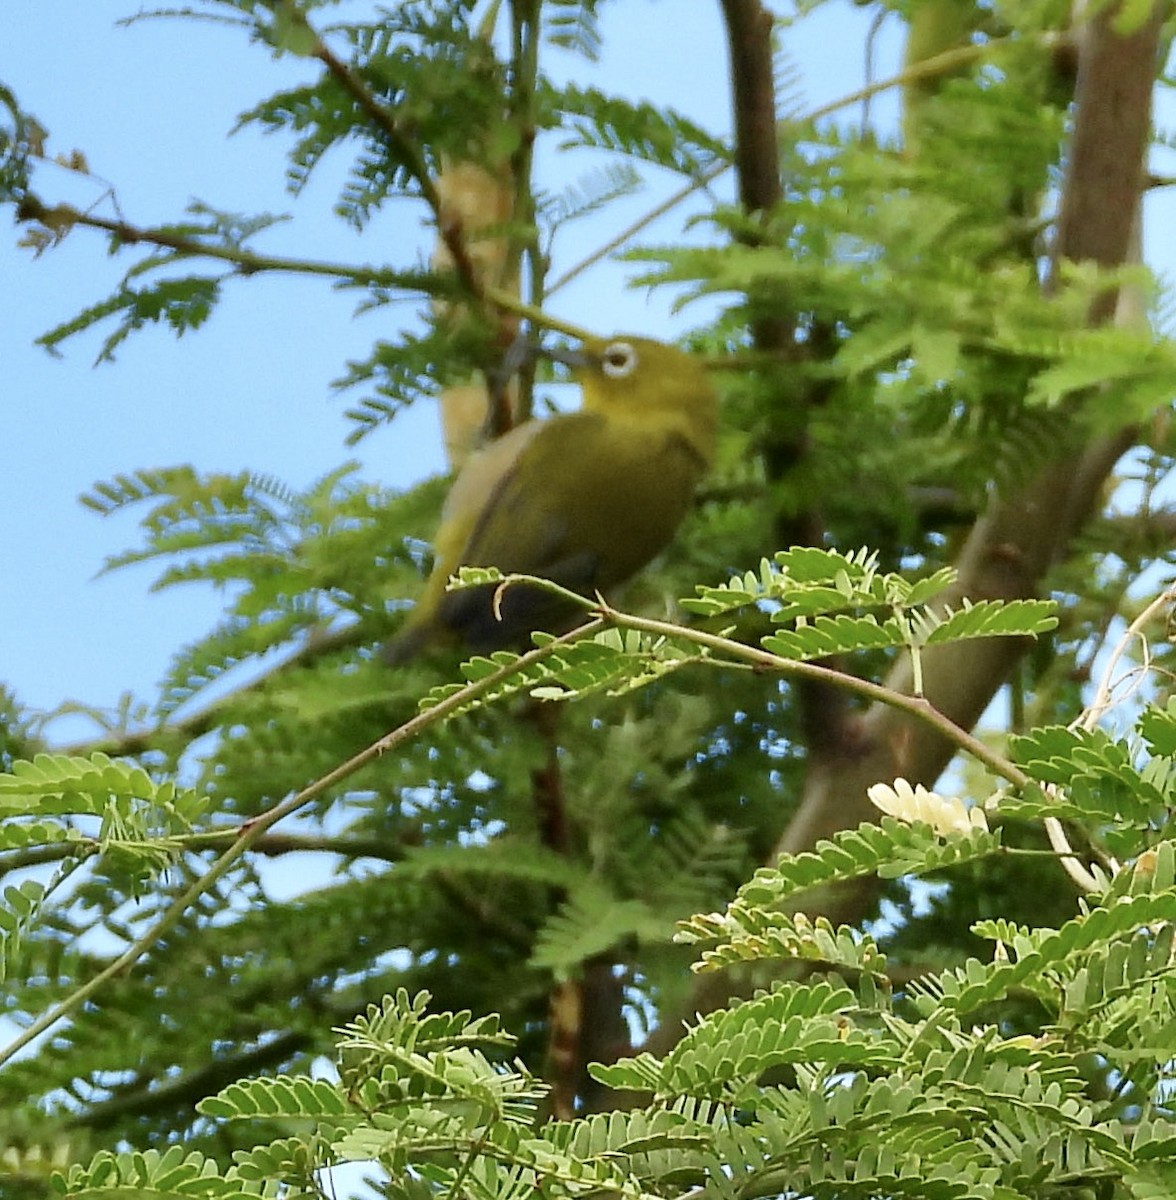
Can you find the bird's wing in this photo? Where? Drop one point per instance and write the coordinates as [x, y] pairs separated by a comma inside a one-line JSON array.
[[473, 493], [584, 502], [529, 529], [526, 529]]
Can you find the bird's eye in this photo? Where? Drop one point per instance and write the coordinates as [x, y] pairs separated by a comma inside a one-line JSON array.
[[618, 360]]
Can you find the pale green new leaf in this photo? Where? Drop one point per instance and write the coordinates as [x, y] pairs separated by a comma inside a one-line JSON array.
[[165, 1176], [991, 618], [777, 936], [20, 908], [59, 783], [827, 636], [283, 1096]]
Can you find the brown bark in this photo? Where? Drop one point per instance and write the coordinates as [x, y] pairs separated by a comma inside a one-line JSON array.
[[757, 162], [1010, 547], [749, 37], [1014, 544]]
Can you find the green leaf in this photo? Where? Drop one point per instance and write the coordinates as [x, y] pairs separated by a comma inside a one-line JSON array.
[[827, 636], [992, 618]]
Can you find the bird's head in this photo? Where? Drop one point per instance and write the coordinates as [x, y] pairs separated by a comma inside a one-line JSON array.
[[638, 378]]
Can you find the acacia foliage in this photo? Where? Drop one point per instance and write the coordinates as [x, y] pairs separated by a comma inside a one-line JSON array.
[[976, 1080], [925, 372]]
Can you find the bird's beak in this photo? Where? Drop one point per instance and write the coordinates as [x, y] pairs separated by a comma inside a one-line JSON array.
[[525, 349], [563, 354]]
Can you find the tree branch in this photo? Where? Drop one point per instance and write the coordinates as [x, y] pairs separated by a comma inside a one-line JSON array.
[[785, 444], [916, 708], [1013, 545], [183, 1092], [62, 217], [205, 719], [273, 845], [749, 37]]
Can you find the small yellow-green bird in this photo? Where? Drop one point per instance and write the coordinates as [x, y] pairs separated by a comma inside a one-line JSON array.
[[584, 499]]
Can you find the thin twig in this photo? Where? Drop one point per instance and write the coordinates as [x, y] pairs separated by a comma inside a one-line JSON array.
[[251, 831], [1104, 699], [248, 262], [448, 227], [317, 644], [914, 705], [1108, 682], [764, 660], [272, 845]]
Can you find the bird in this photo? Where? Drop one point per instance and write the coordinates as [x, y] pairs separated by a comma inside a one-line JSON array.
[[585, 499]]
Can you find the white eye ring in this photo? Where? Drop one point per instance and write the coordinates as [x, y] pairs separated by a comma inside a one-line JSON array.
[[618, 360]]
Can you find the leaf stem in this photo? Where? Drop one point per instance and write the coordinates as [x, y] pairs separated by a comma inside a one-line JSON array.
[[248, 262]]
